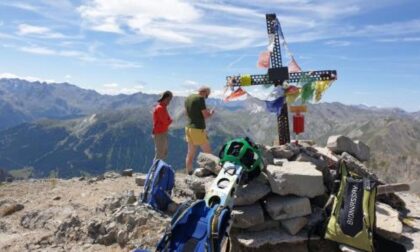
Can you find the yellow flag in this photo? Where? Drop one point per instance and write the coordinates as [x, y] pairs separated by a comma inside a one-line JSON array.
[[320, 88], [245, 80], [292, 95]]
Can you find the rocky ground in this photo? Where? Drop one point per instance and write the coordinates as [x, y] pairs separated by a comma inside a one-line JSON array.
[[76, 215], [57, 214], [102, 213]]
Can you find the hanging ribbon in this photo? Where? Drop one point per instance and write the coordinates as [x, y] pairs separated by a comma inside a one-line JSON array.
[[271, 42], [282, 39]]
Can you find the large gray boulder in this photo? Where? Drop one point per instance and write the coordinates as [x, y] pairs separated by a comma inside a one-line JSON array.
[[266, 154], [268, 224], [197, 184], [287, 207], [201, 172], [297, 178], [358, 167], [387, 221], [250, 193], [327, 154], [339, 144], [294, 225], [320, 164], [209, 162], [274, 236], [247, 216], [286, 151]]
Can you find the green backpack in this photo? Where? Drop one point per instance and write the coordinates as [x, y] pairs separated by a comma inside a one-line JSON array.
[[352, 219]]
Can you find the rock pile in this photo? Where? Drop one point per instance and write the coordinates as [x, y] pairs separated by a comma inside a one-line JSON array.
[[272, 212], [129, 225]]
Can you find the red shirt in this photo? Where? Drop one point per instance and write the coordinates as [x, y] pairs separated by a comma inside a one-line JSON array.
[[161, 119]]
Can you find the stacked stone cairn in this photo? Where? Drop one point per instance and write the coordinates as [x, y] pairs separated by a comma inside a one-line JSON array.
[[274, 212]]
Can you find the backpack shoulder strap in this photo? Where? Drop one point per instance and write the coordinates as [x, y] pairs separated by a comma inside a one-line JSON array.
[[183, 212]]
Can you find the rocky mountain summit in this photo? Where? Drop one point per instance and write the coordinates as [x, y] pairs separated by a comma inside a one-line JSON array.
[[272, 213]]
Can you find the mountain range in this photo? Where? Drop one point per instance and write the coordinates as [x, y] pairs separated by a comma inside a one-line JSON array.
[[64, 130]]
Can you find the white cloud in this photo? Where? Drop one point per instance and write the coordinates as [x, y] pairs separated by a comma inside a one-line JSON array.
[[67, 76], [115, 89], [136, 14], [325, 10], [230, 9], [403, 39], [338, 43], [8, 36], [20, 5], [83, 56], [107, 25], [38, 50], [190, 84], [176, 23], [390, 29], [38, 31], [28, 78]]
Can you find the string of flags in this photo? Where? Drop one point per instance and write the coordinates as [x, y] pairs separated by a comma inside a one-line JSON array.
[[307, 89]]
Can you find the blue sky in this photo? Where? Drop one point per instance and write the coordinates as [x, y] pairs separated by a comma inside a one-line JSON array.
[[123, 46]]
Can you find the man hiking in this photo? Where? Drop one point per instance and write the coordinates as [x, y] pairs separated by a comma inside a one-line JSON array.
[[195, 131], [161, 122]]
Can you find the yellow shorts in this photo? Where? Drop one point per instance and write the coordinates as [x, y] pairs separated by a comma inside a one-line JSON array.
[[196, 136]]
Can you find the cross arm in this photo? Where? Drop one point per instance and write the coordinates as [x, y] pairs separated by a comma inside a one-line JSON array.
[[263, 79]]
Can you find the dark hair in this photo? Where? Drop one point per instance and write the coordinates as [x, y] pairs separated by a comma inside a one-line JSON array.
[[165, 95]]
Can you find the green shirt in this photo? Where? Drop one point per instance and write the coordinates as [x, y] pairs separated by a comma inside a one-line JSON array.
[[194, 105]]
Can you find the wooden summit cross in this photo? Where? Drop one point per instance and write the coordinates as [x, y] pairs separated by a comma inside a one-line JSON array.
[[277, 74]]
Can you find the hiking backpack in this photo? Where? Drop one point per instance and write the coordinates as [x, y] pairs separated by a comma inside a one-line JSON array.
[[196, 228], [352, 218], [158, 186]]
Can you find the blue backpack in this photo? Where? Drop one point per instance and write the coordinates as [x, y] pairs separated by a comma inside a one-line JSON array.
[[196, 228], [158, 186]]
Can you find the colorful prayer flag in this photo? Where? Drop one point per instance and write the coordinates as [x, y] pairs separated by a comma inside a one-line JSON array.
[[320, 88], [275, 100], [275, 93], [245, 80], [276, 105], [238, 94], [293, 66], [292, 93], [264, 60], [308, 88]]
